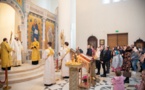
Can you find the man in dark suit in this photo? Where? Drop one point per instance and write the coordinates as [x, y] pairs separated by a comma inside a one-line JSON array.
[[89, 51], [108, 58], [102, 59]]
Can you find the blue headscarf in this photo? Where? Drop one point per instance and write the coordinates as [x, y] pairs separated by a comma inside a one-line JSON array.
[[116, 52]]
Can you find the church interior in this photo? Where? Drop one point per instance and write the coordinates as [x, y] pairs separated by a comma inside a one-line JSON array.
[[72, 42]]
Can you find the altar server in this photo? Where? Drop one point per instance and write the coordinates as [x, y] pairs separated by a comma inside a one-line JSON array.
[[49, 70], [35, 52], [5, 55], [65, 58]]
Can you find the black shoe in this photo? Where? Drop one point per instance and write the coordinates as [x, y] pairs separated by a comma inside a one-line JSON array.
[[107, 72], [103, 75], [126, 80], [48, 84], [140, 70], [66, 77], [97, 73]]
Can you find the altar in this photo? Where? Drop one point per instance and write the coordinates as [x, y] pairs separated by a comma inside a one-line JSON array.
[[77, 79]]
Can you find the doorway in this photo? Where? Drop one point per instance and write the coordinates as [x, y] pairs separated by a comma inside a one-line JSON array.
[[119, 39], [10, 22], [93, 41]]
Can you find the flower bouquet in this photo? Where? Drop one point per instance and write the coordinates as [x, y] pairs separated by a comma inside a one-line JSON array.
[[85, 84], [85, 79]]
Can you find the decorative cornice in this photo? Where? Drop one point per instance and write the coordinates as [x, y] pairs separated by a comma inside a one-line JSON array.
[[31, 7]]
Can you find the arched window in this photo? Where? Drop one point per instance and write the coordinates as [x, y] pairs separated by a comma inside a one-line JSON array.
[[93, 41]]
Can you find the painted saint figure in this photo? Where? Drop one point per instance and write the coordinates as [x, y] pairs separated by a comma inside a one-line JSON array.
[[49, 69], [50, 35], [35, 52], [35, 30]]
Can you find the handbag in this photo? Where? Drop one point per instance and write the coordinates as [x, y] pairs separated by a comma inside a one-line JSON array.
[[127, 74]]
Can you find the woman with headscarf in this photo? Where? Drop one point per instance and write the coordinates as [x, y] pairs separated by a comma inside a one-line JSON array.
[[134, 59], [127, 63]]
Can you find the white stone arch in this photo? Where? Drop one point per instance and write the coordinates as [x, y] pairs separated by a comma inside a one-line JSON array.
[[20, 14], [16, 7]]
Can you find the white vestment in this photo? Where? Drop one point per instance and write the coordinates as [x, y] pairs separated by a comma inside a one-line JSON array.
[[60, 56], [117, 61], [49, 69], [16, 56], [66, 58]]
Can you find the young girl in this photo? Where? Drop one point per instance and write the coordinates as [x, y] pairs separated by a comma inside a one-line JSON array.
[[141, 86], [118, 81], [117, 61]]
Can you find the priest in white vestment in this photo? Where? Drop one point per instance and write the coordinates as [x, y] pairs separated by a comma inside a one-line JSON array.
[[65, 58], [16, 56], [49, 69]]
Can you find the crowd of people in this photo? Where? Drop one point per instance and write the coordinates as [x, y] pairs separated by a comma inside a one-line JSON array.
[[123, 60], [120, 59], [10, 55]]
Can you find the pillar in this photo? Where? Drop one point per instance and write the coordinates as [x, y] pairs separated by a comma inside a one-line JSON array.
[[67, 21], [24, 32], [56, 35], [43, 36]]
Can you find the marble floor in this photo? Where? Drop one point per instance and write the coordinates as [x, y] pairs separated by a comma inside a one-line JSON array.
[[63, 84]]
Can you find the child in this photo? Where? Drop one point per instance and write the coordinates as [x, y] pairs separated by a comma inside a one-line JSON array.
[[141, 86], [117, 61], [118, 81]]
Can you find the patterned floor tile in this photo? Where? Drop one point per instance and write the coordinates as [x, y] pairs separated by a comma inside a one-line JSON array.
[[103, 84]]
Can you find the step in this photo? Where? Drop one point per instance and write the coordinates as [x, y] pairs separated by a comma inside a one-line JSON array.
[[23, 68], [24, 73]]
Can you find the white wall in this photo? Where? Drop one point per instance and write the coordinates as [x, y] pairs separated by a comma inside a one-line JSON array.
[[43, 3], [98, 19], [64, 19], [7, 21], [54, 5], [73, 24], [49, 5], [67, 21]]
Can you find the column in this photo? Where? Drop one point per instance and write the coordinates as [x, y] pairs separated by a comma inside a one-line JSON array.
[[73, 24], [24, 32], [56, 38], [43, 36], [67, 20]]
